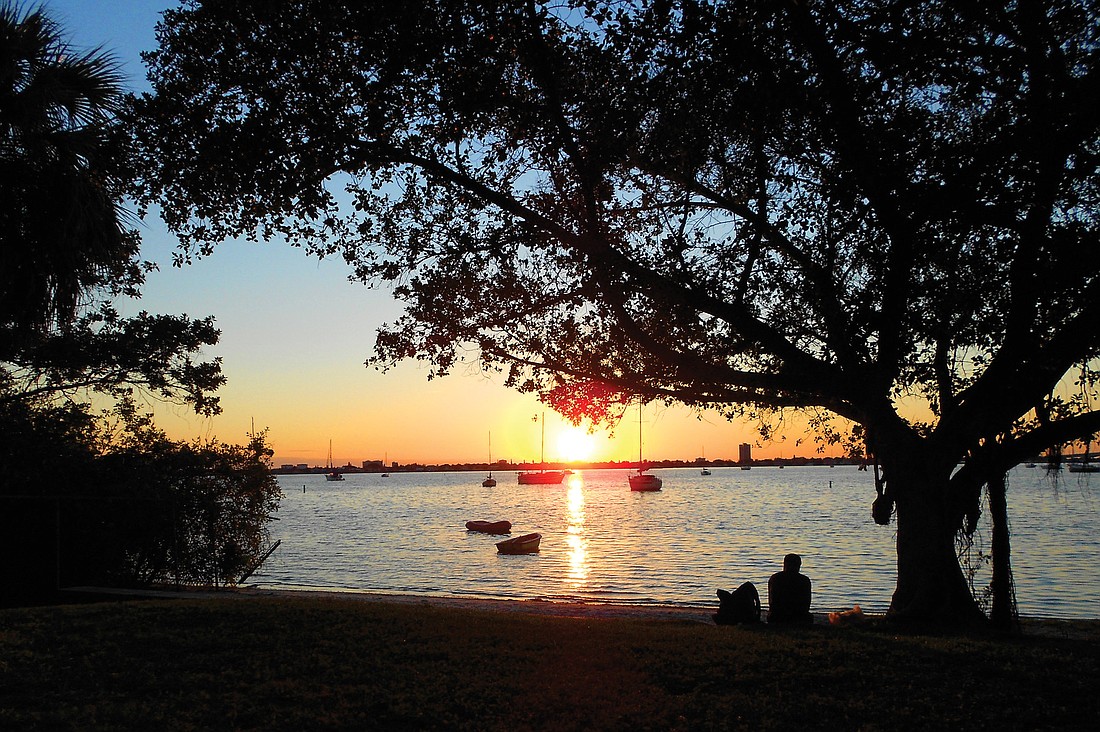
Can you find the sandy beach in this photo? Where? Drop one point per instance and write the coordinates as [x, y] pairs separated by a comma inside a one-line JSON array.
[[1048, 627], [530, 607]]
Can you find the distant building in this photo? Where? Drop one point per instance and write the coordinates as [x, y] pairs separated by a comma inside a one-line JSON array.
[[744, 453]]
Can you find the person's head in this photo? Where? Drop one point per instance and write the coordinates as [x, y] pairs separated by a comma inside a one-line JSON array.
[[792, 563]]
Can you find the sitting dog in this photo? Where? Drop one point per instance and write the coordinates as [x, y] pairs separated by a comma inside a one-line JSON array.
[[740, 606]]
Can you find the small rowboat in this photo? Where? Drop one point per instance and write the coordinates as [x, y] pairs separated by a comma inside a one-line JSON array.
[[490, 527], [526, 544]]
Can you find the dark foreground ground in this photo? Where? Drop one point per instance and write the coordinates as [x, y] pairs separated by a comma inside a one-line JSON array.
[[279, 662]]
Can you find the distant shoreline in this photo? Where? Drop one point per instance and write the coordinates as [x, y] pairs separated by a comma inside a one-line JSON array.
[[506, 467]]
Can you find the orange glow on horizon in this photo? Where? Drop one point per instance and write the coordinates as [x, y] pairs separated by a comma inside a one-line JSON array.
[[401, 417]]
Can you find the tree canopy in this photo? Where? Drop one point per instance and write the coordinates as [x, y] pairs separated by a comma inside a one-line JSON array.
[[90, 498], [67, 245], [884, 210]]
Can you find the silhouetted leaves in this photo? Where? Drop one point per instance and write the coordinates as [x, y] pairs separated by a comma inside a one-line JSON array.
[[882, 211]]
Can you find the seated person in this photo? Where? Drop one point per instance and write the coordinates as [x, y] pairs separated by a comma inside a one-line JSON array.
[[789, 593], [740, 606]]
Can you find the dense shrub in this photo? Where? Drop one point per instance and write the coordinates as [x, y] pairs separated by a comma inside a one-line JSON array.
[[110, 500]]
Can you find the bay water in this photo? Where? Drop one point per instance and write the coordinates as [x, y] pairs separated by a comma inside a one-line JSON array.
[[603, 543]]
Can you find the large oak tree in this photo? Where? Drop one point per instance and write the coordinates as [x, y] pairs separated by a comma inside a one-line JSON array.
[[885, 210]]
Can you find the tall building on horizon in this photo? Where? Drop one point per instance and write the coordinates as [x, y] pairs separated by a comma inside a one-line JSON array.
[[744, 453]]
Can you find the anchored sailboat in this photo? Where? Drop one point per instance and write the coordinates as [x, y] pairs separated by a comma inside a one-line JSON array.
[[333, 473], [490, 481], [543, 476], [643, 481]]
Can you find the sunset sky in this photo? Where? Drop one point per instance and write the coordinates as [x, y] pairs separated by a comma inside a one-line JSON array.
[[295, 334]]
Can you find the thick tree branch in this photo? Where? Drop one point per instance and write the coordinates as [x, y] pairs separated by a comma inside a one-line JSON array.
[[996, 458], [838, 335], [879, 181], [720, 394], [603, 255], [1015, 382]]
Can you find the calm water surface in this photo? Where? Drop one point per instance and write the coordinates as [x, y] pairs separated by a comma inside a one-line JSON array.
[[603, 543]]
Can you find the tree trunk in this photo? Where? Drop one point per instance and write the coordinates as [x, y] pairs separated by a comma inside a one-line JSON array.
[[1002, 615], [931, 586]]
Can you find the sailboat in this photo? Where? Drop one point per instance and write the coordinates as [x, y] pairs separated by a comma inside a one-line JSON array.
[[543, 476], [333, 473], [490, 481], [705, 470], [643, 481]]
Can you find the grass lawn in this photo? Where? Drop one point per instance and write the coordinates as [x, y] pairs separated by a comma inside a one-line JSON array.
[[323, 663]]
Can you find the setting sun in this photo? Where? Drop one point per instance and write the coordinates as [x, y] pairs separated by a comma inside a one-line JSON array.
[[576, 445]]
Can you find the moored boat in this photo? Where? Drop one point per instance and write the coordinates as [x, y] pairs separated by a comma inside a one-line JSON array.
[[490, 527], [490, 481], [542, 477], [333, 473], [645, 482], [526, 544]]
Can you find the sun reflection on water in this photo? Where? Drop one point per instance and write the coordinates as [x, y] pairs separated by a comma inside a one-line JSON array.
[[575, 538], [604, 543]]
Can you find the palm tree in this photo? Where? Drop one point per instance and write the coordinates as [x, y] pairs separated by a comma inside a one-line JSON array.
[[62, 233]]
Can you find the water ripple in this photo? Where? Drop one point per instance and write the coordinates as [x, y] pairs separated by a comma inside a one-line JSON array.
[[602, 542]]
